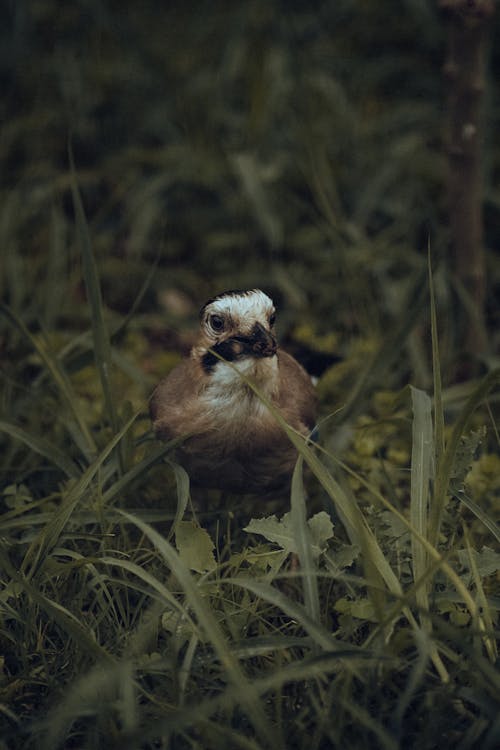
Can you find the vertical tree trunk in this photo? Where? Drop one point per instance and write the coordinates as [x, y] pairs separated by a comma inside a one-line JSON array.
[[467, 24]]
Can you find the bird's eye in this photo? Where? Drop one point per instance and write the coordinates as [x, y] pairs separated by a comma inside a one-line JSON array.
[[272, 319], [216, 323]]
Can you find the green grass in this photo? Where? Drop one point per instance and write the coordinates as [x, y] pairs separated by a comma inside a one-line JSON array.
[[116, 631], [238, 148]]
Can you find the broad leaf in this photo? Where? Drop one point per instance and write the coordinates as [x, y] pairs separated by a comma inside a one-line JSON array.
[[280, 531], [195, 547]]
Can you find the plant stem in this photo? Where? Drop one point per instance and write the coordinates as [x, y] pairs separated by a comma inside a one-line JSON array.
[[467, 24]]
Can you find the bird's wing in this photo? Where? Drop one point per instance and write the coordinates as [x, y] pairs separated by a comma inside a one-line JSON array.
[[171, 402], [297, 397]]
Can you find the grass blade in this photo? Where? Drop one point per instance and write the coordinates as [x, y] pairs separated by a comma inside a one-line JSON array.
[[303, 541], [102, 346], [384, 357], [248, 697], [433, 553], [138, 469], [182, 484], [293, 609], [58, 376], [153, 583], [42, 447], [64, 618], [484, 623], [109, 684], [436, 370], [318, 668], [444, 469], [421, 463], [49, 536], [485, 519]]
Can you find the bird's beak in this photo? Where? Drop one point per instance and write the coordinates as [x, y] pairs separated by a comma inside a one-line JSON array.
[[263, 343]]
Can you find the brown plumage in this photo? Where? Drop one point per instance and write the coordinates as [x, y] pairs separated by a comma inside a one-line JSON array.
[[234, 443]]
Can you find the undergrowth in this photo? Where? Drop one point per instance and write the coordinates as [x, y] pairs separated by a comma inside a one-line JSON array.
[[364, 615], [239, 148]]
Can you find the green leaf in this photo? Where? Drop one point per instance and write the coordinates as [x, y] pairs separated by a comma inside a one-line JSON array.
[[362, 609], [280, 531], [195, 547], [274, 530], [342, 558], [393, 527], [456, 611], [465, 454], [487, 561], [260, 557], [321, 528]]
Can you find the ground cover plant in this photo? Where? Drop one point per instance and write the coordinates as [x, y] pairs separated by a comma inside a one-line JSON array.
[[153, 157]]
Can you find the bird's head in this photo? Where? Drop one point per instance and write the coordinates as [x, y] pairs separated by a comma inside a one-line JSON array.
[[236, 325]]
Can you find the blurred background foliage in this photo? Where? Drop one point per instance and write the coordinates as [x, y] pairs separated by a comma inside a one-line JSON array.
[[297, 147], [290, 145]]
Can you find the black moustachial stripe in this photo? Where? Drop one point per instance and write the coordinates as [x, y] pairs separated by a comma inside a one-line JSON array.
[[225, 350], [260, 343]]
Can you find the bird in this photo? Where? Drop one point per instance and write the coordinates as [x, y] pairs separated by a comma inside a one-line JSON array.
[[233, 441]]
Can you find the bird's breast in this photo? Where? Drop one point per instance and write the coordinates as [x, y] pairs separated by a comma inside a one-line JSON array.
[[229, 398]]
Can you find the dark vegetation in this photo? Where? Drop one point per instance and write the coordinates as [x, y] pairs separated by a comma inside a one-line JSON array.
[[302, 148]]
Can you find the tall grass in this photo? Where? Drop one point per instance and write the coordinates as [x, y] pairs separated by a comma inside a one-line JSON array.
[[109, 639]]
